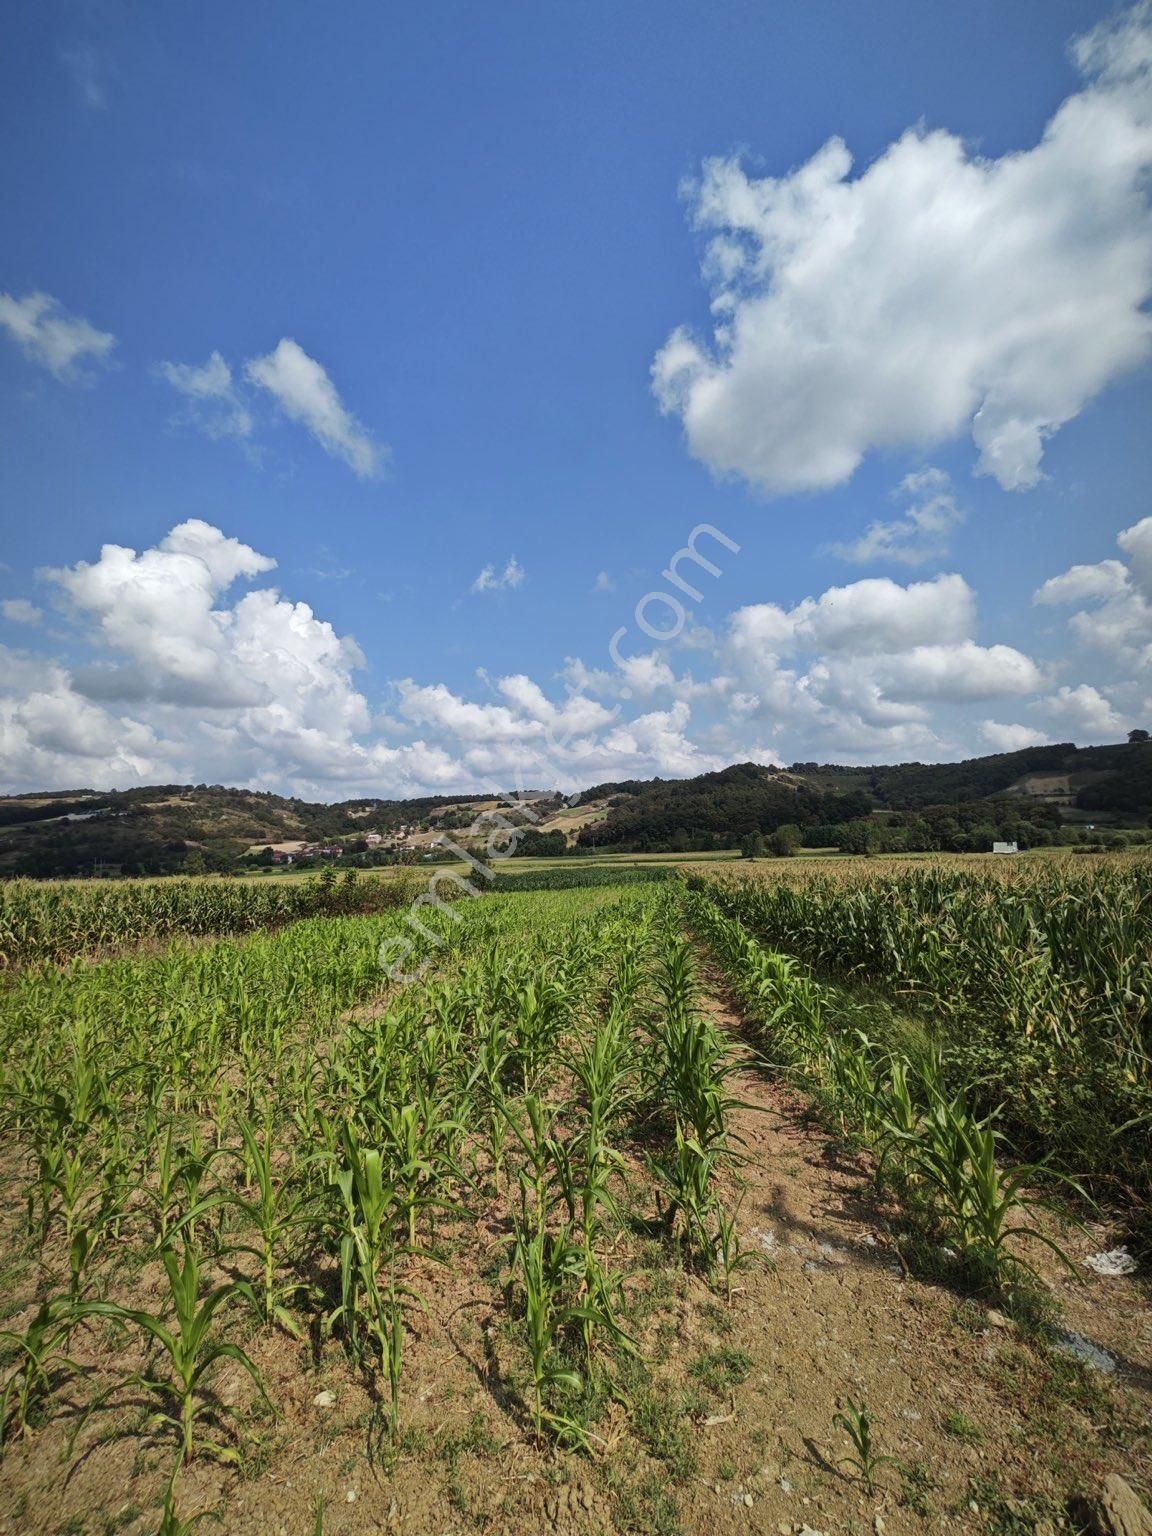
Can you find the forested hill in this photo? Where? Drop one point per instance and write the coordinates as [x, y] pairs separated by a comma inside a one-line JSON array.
[[1117, 778], [1031, 794]]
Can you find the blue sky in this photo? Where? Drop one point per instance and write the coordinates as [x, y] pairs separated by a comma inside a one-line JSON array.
[[396, 296]]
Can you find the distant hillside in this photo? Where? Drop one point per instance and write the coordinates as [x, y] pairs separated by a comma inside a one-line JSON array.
[[715, 810], [1115, 778], [164, 828], [1029, 795], [1025, 796]]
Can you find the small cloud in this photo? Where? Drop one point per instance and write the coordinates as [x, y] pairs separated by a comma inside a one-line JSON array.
[[920, 535], [18, 610], [50, 336], [603, 583], [304, 392], [86, 68], [326, 569], [511, 576], [213, 403], [1010, 738]]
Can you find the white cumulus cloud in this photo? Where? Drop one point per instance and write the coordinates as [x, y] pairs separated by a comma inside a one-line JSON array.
[[862, 669], [1010, 738], [936, 293], [1083, 710], [1119, 622]]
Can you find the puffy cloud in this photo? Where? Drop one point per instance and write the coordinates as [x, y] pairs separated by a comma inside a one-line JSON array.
[[526, 718], [254, 689], [191, 681], [1010, 738], [874, 615], [1083, 710], [158, 609], [50, 336], [18, 610], [938, 292], [491, 580], [304, 392], [1120, 623], [920, 535], [213, 402], [873, 660], [603, 583], [954, 673], [1085, 583], [51, 737], [659, 738]]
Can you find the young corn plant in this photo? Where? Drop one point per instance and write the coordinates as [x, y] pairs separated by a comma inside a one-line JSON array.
[[850, 1087], [695, 1074], [551, 1266], [603, 1070], [371, 1305], [550, 1173], [540, 1011], [730, 1255], [189, 1348], [277, 1207], [489, 1080], [39, 1358], [856, 1422], [954, 1152], [418, 1143], [180, 1171]]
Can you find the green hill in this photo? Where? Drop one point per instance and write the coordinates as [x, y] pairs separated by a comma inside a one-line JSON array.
[[1033, 795]]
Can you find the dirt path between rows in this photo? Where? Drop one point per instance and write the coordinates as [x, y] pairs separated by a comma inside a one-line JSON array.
[[839, 1316]]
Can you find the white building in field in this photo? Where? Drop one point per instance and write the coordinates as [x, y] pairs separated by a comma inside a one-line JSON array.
[[1005, 848]]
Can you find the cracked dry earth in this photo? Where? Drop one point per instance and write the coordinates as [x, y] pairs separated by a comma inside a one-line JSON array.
[[991, 1431]]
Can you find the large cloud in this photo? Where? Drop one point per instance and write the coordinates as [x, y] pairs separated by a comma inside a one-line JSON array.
[[874, 615], [188, 680], [938, 292], [862, 668], [255, 689], [190, 667]]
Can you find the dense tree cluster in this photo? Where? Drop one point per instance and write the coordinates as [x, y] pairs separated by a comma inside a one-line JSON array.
[[718, 810], [534, 844]]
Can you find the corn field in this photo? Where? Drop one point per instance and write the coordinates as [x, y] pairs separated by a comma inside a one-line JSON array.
[[289, 1145], [1035, 984], [59, 921], [220, 1144]]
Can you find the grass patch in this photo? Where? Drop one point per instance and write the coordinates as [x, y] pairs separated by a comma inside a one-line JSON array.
[[722, 1369]]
